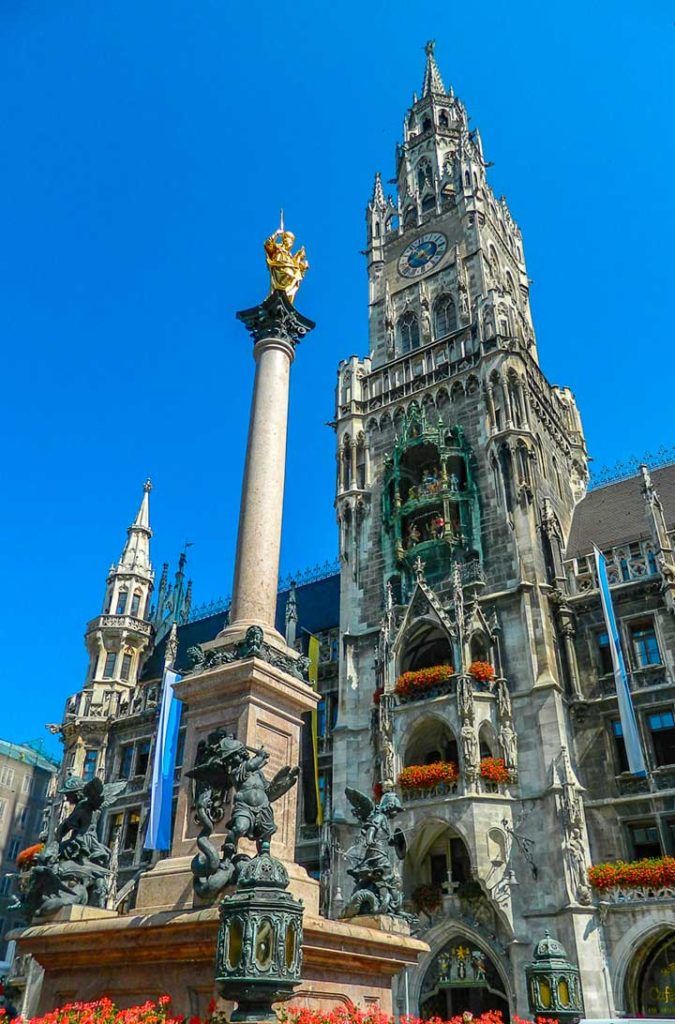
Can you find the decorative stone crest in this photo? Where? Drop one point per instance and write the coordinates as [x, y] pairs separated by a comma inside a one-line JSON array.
[[252, 646]]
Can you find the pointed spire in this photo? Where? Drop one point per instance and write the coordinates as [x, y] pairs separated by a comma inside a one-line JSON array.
[[432, 76], [136, 554], [378, 192]]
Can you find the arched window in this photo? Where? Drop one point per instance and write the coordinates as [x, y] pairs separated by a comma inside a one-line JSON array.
[[428, 203], [410, 217], [121, 602], [506, 466], [135, 602], [443, 120], [445, 316], [426, 124], [424, 175], [467, 179], [523, 464], [408, 332]]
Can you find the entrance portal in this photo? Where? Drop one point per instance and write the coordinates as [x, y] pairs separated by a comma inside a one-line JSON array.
[[656, 988], [462, 977]]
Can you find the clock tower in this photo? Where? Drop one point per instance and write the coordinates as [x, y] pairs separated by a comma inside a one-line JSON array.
[[458, 469]]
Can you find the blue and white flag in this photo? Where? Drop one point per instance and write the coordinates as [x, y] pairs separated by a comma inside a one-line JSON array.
[[158, 834], [629, 726]]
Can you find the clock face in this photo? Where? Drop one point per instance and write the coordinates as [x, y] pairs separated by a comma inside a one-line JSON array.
[[422, 255]]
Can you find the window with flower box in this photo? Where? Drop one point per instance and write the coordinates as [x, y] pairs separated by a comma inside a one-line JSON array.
[[645, 840]]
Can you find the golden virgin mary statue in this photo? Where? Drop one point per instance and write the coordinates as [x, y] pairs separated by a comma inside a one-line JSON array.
[[286, 269]]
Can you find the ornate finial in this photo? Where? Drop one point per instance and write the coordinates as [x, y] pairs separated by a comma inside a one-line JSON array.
[[286, 268], [418, 569], [432, 76], [147, 486], [429, 47]]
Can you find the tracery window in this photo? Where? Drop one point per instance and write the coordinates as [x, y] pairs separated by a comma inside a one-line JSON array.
[[408, 332], [445, 315]]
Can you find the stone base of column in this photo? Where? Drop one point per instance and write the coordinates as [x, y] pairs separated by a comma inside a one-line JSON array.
[[263, 707]]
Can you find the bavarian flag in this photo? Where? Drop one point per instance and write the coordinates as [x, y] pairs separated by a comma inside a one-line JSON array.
[[310, 746]]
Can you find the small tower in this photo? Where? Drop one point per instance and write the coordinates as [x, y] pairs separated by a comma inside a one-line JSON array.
[[117, 641]]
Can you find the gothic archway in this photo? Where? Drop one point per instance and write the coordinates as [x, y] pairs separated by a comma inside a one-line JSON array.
[[650, 981], [462, 977]]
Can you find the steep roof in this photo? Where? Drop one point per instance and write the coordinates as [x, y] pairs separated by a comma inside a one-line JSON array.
[[318, 609], [616, 513]]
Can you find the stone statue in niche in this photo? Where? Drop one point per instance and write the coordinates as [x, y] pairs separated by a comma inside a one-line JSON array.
[[377, 884], [469, 746], [224, 763], [507, 742]]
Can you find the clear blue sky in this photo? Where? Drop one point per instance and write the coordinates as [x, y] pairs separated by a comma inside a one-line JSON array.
[[145, 149]]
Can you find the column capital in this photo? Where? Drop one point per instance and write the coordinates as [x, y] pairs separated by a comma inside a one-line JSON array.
[[276, 318]]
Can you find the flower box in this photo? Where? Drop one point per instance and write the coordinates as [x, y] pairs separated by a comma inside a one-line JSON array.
[[649, 873], [426, 776], [423, 681], [482, 671], [427, 898], [493, 769]]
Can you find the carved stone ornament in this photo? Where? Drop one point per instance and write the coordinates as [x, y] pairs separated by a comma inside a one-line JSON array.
[[252, 646], [276, 318], [223, 764], [74, 869]]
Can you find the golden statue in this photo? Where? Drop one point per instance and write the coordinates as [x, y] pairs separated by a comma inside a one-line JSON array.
[[286, 269]]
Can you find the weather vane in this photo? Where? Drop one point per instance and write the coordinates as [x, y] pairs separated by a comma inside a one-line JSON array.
[[286, 268]]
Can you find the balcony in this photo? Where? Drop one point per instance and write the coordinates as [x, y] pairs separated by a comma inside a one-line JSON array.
[[125, 623], [638, 679], [418, 370]]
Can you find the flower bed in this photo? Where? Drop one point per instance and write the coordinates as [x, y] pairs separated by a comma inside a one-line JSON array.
[[482, 671], [494, 770], [422, 680], [104, 1011], [426, 776], [650, 873], [374, 1015]]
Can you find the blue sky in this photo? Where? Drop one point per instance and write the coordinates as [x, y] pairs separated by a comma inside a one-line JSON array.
[[145, 149]]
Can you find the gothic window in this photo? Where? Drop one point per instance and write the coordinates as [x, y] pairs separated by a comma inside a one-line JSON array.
[[142, 757], [426, 124], [428, 204], [424, 175], [604, 654], [126, 666], [514, 401], [109, 669], [510, 285], [377, 229], [662, 730], [644, 839], [620, 756], [121, 602], [445, 316], [135, 603], [408, 332], [90, 762], [133, 825], [556, 477], [467, 179], [126, 757], [644, 644], [409, 217], [443, 119], [506, 466]]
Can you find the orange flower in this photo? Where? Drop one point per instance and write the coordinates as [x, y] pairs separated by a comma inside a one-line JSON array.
[[26, 856], [422, 680], [494, 770], [425, 776], [482, 671], [648, 873]]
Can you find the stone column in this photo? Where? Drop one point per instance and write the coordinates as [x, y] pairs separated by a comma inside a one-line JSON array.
[[275, 327]]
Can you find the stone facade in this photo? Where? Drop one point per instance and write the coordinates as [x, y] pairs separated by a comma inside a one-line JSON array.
[[461, 472]]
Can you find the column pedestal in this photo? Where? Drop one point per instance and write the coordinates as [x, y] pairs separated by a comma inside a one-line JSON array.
[[263, 707]]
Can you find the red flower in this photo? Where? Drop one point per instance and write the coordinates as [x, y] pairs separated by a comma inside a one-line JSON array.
[[422, 679], [482, 671], [649, 873], [494, 770], [425, 776], [25, 857]]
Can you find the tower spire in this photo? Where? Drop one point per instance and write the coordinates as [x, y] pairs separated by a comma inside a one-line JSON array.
[[432, 76], [136, 553], [378, 192]]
